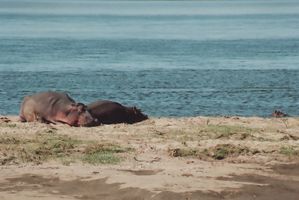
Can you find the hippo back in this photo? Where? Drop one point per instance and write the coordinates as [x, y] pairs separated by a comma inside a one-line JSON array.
[[110, 112], [50, 103]]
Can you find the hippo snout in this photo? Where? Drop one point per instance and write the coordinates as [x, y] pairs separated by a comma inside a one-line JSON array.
[[95, 122], [86, 119]]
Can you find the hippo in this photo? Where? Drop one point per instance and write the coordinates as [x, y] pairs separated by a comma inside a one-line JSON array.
[[110, 112], [278, 114], [52, 107]]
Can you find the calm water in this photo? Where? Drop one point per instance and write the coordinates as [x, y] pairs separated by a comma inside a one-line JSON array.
[[181, 58]]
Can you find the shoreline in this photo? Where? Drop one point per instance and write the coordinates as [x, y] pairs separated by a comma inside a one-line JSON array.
[[159, 158]]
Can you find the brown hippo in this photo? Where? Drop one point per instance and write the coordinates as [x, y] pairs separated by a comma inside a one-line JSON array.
[[51, 107], [109, 112], [278, 114]]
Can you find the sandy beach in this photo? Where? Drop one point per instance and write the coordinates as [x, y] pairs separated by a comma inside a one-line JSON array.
[[160, 158]]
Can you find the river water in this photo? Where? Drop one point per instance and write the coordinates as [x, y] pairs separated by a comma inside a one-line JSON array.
[[170, 58]]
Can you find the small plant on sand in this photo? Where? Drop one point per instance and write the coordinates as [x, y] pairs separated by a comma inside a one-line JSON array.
[[289, 151], [227, 131], [9, 140], [103, 153], [185, 152], [9, 125], [285, 122], [101, 158], [222, 151], [218, 152], [48, 146]]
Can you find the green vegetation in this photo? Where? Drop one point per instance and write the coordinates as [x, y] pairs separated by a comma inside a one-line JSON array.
[[218, 152], [103, 153], [101, 157], [207, 132], [9, 125], [186, 152], [222, 151], [289, 151], [50, 146], [227, 131]]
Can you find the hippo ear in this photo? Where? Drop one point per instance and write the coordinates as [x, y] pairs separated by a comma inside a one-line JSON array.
[[73, 107], [135, 110], [81, 107]]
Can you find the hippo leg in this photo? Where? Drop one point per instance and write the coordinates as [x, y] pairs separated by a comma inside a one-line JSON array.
[[46, 121], [30, 117], [22, 119]]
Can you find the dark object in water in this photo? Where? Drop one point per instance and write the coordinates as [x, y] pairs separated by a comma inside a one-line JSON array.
[[109, 112], [278, 113]]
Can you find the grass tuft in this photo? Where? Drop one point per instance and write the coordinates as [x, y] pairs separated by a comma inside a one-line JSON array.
[[187, 152], [222, 151], [289, 151], [103, 153], [227, 131], [49, 146], [218, 152]]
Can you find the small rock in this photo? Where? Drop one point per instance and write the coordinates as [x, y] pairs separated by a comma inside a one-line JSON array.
[[187, 174]]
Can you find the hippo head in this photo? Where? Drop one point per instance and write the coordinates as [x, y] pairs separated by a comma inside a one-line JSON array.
[[137, 115], [79, 116]]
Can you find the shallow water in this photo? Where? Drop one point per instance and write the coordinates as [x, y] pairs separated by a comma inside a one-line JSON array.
[[181, 58]]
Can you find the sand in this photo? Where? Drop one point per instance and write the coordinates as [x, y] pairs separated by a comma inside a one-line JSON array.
[[160, 158]]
